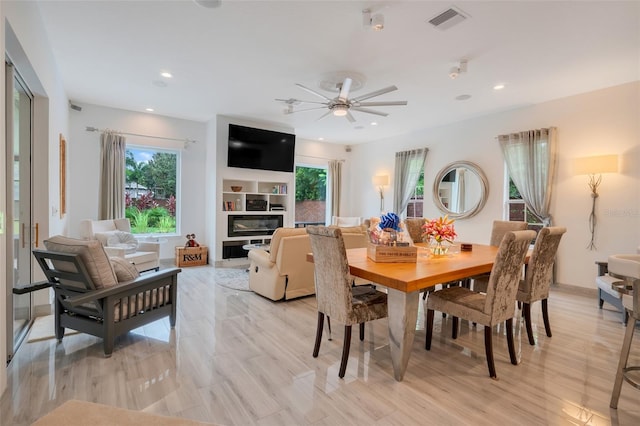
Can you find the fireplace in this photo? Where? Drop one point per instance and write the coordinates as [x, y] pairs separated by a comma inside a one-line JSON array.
[[253, 225]]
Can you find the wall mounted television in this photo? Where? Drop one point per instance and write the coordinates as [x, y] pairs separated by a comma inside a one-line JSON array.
[[251, 148]]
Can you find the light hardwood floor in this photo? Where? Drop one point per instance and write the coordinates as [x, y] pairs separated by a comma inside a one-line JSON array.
[[236, 358]]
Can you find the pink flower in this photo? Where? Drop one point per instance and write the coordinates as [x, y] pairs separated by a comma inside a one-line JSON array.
[[440, 229]]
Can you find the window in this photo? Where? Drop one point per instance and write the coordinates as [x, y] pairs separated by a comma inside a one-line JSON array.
[[151, 189], [311, 196], [518, 210], [416, 202]]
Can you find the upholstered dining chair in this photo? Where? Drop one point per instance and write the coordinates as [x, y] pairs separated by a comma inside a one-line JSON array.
[[498, 230], [537, 280], [334, 293], [491, 308], [625, 268], [414, 228]]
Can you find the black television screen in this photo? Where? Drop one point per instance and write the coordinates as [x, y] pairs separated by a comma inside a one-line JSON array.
[[251, 148]]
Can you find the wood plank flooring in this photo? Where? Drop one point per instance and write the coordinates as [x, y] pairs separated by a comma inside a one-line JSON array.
[[236, 358]]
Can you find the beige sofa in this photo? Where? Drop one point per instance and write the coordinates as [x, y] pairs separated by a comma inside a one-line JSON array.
[[283, 272]]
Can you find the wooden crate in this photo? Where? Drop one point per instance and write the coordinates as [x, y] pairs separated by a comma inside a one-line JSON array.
[[191, 256], [379, 253]]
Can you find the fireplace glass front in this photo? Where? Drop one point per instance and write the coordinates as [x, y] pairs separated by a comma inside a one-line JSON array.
[[250, 225]]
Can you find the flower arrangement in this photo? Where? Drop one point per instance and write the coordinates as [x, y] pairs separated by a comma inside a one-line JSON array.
[[439, 230]]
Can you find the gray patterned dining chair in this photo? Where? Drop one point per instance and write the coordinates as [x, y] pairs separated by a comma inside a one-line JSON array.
[[495, 306], [539, 273], [334, 293]]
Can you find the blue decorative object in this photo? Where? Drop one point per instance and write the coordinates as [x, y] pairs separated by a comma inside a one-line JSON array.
[[390, 220]]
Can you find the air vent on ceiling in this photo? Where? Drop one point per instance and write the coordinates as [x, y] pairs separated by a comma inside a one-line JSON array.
[[448, 18]]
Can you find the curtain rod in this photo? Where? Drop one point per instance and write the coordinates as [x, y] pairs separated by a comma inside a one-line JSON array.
[[320, 158], [186, 140]]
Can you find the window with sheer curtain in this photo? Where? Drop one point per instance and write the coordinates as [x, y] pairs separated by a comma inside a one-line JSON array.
[[409, 165], [530, 157]]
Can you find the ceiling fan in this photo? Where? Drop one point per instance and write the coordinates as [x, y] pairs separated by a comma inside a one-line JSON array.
[[342, 105]]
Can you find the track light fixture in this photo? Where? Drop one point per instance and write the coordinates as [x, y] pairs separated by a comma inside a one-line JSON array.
[[456, 71], [376, 22]]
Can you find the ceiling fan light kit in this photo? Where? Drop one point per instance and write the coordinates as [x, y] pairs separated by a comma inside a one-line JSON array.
[[342, 105]]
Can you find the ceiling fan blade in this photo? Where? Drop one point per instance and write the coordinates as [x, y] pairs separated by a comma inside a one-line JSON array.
[[306, 109], [344, 90], [293, 101], [376, 93], [324, 115], [369, 111], [313, 92], [381, 103], [350, 117]]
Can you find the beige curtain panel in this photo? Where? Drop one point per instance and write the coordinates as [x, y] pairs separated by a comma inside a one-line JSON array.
[[335, 177], [112, 176]]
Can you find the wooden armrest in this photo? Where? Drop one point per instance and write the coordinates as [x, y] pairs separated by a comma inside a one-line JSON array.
[[144, 282]]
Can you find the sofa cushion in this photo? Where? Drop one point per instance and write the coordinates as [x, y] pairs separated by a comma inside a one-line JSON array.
[[123, 269], [92, 254]]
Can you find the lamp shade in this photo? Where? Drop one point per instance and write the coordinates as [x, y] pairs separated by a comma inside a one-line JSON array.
[[595, 165], [381, 180]]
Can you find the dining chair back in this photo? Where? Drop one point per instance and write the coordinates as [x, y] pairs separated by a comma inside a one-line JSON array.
[[334, 293], [495, 306], [501, 227]]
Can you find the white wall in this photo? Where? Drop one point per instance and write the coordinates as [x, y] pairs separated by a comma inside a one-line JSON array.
[[83, 152], [595, 123], [25, 42]]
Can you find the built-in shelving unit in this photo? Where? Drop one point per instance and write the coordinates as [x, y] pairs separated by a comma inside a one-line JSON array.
[[266, 201], [254, 196]]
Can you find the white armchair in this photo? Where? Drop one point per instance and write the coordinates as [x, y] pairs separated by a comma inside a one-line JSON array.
[[115, 235]]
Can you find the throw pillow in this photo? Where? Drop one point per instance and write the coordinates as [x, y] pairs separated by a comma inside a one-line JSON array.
[[119, 239], [124, 270]]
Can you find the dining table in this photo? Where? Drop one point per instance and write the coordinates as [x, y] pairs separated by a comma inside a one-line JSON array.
[[405, 281]]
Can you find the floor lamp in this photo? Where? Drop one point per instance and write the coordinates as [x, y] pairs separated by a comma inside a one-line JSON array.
[[381, 181], [593, 166]]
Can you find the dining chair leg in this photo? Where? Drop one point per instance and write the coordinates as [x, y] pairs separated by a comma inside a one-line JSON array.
[[545, 317], [510, 344], [526, 312], [429, 329], [361, 331], [454, 328], [329, 326], [345, 351], [488, 349], [316, 348]]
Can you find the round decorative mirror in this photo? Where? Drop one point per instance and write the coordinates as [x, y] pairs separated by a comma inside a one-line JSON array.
[[460, 189]]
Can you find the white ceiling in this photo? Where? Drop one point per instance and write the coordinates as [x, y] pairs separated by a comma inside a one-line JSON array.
[[236, 59]]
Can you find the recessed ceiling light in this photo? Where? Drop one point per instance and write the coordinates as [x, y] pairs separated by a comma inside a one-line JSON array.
[[149, 109], [359, 127], [320, 139], [159, 83], [463, 97], [373, 123], [498, 87], [166, 74]]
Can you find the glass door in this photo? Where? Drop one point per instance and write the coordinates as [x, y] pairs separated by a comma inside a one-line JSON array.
[[19, 110]]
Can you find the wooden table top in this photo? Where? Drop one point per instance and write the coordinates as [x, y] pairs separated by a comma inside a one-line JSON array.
[[426, 272]]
